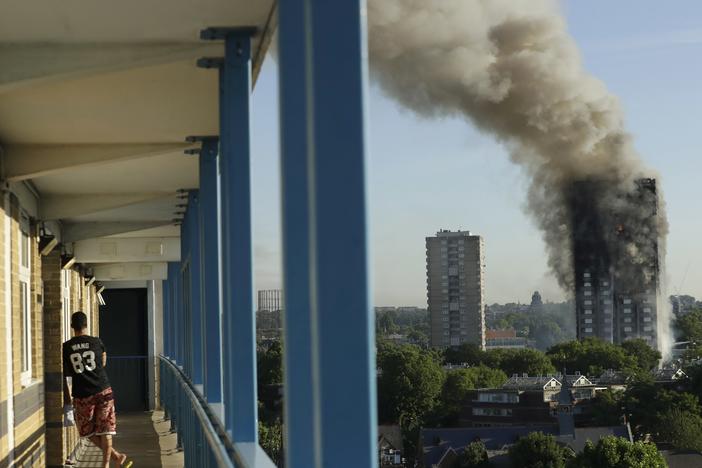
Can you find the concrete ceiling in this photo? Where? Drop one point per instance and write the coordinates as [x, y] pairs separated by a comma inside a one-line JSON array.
[[83, 84]]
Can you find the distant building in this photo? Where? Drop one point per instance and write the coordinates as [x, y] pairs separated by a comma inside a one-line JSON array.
[[527, 400], [504, 338], [390, 447], [456, 288], [268, 314], [537, 305], [614, 305], [683, 304], [270, 300], [439, 448]]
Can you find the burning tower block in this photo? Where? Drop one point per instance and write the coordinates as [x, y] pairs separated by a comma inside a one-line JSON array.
[[615, 260]]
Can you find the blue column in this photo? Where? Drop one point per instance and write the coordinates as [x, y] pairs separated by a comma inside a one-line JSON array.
[[322, 97], [185, 322], [166, 300], [299, 407], [174, 279], [209, 275], [240, 399], [195, 287]]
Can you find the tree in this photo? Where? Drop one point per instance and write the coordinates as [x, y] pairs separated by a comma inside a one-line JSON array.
[[591, 356], [617, 452], [409, 383], [518, 361], [271, 440], [459, 383], [474, 455], [467, 353], [538, 450], [269, 363], [682, 429], [689, 326], [607, 408], [646, 357], [647, 402]]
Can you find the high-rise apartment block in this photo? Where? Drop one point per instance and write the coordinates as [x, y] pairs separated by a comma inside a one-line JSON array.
[[456, 288], [615, 296]]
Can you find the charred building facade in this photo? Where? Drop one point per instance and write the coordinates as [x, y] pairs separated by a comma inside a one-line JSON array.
[[616, 263]]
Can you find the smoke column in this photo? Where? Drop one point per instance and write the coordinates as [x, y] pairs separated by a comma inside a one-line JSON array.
[[511, 68]]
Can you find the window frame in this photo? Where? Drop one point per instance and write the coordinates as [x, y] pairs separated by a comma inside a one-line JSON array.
[[66, 303], [24, 274]]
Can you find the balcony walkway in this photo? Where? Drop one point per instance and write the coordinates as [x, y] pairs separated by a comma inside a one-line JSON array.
[[144, 437]]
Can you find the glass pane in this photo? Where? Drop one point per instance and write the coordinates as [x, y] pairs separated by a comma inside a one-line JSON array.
[[25, 326], [24, 250]]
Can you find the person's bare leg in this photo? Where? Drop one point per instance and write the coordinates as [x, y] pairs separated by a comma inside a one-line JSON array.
[[106, 450], [115, 455]]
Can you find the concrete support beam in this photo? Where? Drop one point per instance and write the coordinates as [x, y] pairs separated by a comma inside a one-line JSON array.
[[82, 231], [29, 161], [69, 206], [31, 63], [126, 250], [141, 271]]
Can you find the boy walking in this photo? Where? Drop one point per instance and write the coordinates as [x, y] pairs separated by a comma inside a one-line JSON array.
[[84, 360]]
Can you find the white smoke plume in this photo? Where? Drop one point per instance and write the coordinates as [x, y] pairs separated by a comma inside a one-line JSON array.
[[511, 68]]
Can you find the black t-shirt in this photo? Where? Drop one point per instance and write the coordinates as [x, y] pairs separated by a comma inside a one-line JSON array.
[[82, 360]]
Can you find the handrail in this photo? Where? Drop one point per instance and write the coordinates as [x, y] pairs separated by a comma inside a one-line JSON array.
[[222, 448]]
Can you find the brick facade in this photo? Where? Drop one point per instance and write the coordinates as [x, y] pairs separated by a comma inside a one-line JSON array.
[[31, 405]]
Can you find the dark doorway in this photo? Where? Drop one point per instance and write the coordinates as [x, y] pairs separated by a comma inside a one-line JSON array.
[[124, 330]]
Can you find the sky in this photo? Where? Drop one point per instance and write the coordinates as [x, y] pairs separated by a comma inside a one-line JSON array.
[[425, 175]]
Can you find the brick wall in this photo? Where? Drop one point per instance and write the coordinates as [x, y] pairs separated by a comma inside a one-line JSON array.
[[27, 397], [37, 405], [60, 441], [4, 382]]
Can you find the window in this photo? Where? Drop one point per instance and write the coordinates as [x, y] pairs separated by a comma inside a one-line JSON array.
[[588, 320], [647, 309], [587, 293], [588, 330], [607, 301], [25, 257], [586, 275], [588, 311], [647, 319], [627, 301], [627, 319], [66, 303], [647, 329], [587, 284], [627, 329], [492, 411], [498, 397], [627, 310], [587, 302], [605, 283]]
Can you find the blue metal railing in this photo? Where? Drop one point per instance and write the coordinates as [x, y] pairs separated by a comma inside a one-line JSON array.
[[204, 441], [200, 434]]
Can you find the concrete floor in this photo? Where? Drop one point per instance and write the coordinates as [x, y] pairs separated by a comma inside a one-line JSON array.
[[144, 437]]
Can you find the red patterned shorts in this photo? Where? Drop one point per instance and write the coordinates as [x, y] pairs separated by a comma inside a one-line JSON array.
[[95, 415]]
